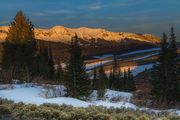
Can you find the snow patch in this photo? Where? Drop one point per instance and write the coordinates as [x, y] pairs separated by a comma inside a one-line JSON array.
[[93, 65], [112, 96], [138, 51], [146, 56], [30, 94]]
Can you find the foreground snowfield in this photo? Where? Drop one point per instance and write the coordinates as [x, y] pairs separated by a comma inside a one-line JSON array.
[[33, 94]]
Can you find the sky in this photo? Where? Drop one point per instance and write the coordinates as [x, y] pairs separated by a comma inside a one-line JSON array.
[[137, 16]]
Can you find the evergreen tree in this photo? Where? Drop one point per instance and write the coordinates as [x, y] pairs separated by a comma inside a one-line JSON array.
[[165, 74], [78, 84], [102, 82], [120, 80], [173, 83], [102, 76], [130, 81], [125, 77], [111, 79], [44, 62], [160, 72], [95, 80], [42, 67], [59, 74], [116, 76], [25, 75], [115, 66], [50, 63], [19, 49]]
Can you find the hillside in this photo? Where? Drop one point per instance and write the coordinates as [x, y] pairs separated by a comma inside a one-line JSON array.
[[63, 34], [93, 41]]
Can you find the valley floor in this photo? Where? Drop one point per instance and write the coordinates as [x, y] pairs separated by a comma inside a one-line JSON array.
[[39, 94]]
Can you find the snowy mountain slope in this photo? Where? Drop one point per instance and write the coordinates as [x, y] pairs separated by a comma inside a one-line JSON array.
[[63, 34]]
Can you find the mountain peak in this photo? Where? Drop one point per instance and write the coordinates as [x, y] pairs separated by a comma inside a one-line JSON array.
[[64, 34]]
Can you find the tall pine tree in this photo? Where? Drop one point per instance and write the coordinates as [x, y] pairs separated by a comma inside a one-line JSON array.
[[19, 49], [160, 72], [95, 80], [59, 73], [111, 80], [78, 83], [115, 77], [102, 82], [125, 78], [130, 81], [173, 82], [44, 65], [50, 63], [165, 74]]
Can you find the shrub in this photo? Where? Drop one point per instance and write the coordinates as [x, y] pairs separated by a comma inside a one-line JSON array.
[[4, 110], [143, 117], [20, 111]]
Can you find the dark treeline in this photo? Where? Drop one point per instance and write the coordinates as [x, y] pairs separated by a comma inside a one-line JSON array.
[[166, 72], [117, 80], [23, 54]]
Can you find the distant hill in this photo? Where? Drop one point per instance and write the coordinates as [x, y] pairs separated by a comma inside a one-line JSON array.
[[63, 34], [93, 41]]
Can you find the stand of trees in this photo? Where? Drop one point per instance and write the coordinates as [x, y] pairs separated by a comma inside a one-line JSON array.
[[21, 52], [44, 64], [121, 81], [166, 80], [116, 81], [29, 58], [19, 49]]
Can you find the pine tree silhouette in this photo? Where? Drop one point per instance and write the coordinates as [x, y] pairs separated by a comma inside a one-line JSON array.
[[19, 49], [78, 83]]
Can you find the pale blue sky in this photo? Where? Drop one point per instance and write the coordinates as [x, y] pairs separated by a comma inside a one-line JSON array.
[[138, 16]]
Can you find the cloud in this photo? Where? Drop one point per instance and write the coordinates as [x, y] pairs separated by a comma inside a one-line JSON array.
[[38, 14], [96, 6], [54, 12], [51, 12], [4, 22]]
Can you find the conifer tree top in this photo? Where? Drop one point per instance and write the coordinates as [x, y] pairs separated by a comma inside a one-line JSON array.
[[21, 30], [172, 34]]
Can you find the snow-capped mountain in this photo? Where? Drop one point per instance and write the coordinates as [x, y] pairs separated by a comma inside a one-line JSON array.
[[63, 34]]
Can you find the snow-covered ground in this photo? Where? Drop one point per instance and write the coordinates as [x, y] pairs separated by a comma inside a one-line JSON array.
[[135, 69], [141, 68], [96, 64], [146, 56], [138, 51], [90, 66], [32, 94], [103, 56], [128, 53]]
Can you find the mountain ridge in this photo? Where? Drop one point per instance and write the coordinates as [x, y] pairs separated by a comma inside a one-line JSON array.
[[64, 34]]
